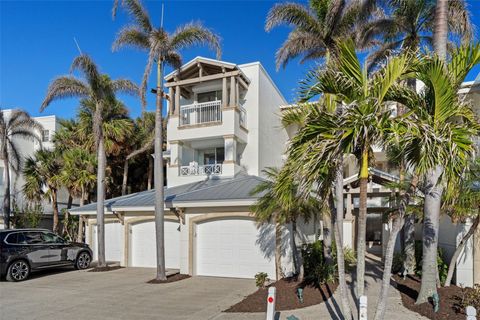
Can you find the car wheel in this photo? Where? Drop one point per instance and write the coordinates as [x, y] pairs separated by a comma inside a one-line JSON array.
[[18, 271], [83, 261]]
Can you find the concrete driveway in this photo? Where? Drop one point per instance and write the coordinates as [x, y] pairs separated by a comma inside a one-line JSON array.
[[118, 294]]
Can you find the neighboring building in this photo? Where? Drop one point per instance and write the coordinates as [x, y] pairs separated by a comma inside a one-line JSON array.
[[27, 148]]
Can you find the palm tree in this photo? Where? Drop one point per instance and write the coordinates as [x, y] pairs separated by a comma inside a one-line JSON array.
[[78, 172], [100, 89], [437, 142], [464, 202], [281, 203], [42, 180], [408, 28], [16, 125], [143, 142], [163, 49]]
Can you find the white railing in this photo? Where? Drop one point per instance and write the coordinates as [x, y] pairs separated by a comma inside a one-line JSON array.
[[198, 113], [243, 117], [200, 170]]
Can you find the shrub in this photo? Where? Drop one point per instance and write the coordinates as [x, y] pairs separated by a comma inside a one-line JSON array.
[[442, 264], [261, 279], [397, 263], [470, 297], [29, 216]]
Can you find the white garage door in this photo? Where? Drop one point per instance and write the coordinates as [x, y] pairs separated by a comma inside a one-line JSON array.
[[113, 241], [234, 248], [143, 245]]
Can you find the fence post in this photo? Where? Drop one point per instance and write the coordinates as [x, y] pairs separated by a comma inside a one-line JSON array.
[[471, 313], [362, 312], [271, 303]]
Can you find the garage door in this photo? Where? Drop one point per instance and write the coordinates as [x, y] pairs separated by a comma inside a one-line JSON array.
[[113, 241], [234, 248], [143, 245]]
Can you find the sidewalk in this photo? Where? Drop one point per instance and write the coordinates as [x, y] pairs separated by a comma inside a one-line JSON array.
[[330, 309]]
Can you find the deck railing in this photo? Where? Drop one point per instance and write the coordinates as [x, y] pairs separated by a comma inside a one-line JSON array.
[[199, 113], [200, 170]]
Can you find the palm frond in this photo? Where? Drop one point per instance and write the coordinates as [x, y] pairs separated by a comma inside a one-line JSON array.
[[135, 9], [299, 43], [131, 36], [293, 14], [194, 34], [65, 87]]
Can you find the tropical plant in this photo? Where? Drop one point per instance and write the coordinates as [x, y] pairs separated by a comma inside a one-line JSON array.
[[437, 139], [17, 124], [42, 180], [100, 90], [163, 49], [28, 216], [406, 26], [281, 203]]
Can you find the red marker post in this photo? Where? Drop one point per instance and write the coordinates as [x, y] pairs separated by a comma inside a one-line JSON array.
[[272, 291]]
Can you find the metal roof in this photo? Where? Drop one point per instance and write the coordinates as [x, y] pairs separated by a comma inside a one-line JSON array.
[[209, 190]]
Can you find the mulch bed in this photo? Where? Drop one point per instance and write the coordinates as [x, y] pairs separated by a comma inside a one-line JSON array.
[[170, 278], [450, 307], [104, 269], [287, 298]]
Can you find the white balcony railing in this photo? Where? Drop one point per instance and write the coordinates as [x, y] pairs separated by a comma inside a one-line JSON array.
[[201, 170], [199, 113]]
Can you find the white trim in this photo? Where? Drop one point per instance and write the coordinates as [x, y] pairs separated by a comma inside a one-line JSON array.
[[213, 203]]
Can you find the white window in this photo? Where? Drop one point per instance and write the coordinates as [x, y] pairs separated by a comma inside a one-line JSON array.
[[45, 135]]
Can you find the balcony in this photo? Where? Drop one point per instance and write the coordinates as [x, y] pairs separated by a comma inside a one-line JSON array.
[[193, 169], [200, 113]]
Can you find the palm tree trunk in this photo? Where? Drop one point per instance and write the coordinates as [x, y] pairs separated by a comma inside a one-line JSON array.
[[339, 199], [100, 202], [441, 29], [298, 259], [55, 211], [431, 221], [278, 250], [459, 249], [362, 225], [409, 249], [342, 282], [149, 172], [6, 197], [387, 268], [158, 172], [125, 177], [396, 227], [327, 236], [80, 218]]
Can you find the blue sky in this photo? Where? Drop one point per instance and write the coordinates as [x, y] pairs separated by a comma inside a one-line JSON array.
[[36, 44]]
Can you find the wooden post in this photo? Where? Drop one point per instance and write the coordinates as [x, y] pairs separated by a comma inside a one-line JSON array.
[[177, 100], [171, 104], [224, 93], [233, 90]]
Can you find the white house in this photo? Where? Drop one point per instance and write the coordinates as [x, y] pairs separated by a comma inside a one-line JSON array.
[[27, 148], [223, 129]]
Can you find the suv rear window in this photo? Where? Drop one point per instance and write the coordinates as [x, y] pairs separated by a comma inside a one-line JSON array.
[[16, 238]]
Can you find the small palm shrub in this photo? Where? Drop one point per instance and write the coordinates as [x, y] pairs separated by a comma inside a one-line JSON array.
[[397, 263], [469, 297], [261, 278]]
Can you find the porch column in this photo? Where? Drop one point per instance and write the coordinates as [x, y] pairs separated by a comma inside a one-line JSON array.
[[237, 94], [175, 151], [233, 89], [230, 144], [171, 105], [348, 222], [177, 100], [224, 93]]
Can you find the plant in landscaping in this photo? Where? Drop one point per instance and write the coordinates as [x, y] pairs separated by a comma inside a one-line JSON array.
[[261, 278], [29, 216]]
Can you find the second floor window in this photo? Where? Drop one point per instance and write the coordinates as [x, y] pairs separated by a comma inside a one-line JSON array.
[[45, 135], [209, 96]]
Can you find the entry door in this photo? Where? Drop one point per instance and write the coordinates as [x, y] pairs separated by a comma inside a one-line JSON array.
[[234, 248]]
